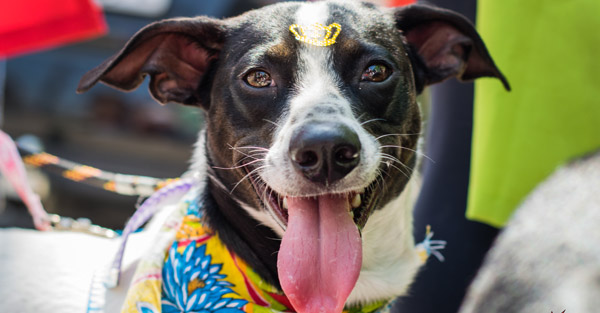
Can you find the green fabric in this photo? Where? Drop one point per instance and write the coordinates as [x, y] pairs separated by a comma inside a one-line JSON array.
[[550, 53]]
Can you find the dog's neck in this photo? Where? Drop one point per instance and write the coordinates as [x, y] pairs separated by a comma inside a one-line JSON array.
[[255, 243]]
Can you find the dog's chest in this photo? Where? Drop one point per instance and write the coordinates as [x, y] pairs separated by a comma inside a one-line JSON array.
[[201, 274]]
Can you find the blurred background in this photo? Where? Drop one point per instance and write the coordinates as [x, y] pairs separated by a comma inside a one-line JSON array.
[[125, 133], [550, 117], [111, 130]]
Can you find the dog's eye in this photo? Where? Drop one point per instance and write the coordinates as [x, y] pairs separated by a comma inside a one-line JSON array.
[[259, 79], [376, 73]]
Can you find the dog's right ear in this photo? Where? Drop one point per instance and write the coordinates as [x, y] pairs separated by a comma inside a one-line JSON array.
[[444, 44], [176, 53]]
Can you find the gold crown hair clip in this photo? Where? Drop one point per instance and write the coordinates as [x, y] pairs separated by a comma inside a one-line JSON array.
[[317, 35]]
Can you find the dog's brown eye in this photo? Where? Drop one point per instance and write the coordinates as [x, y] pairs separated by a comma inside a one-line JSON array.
[[259, 79], [376, 73]]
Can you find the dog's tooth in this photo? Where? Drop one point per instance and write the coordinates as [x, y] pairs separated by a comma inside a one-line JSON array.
[[351, 213], [356, 201], [284, 203]]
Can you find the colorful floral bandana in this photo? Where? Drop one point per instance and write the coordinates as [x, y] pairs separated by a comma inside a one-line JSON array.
[[198, 273]]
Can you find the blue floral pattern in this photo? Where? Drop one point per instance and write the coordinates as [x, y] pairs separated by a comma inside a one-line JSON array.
[[144, 307], [192, 284]]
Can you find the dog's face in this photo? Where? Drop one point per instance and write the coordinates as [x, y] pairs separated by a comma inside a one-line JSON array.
[[307, 120], [312, 117]]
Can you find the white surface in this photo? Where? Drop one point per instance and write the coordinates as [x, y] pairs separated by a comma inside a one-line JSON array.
[[51, 272]]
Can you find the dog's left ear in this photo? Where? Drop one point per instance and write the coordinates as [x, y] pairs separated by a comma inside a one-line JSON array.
[[176, 53], [444, 44]]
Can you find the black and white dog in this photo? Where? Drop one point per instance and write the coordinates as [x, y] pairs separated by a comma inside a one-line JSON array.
[[324, 95]]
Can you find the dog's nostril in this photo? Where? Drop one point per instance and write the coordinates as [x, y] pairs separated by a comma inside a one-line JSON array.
[[346, 154], [307, 158]]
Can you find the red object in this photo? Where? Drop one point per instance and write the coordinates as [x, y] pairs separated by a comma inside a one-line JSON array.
[[397, 3], [28, 26]]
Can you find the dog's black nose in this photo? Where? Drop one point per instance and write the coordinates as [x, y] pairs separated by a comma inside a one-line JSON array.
[[325, 152]]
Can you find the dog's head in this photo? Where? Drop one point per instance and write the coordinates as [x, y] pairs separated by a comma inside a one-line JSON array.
[[311, 116]]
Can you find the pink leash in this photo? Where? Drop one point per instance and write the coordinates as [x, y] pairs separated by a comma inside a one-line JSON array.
[[12, 167]]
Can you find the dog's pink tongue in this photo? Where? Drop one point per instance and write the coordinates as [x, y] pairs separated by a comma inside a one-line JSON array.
[[320, 255]]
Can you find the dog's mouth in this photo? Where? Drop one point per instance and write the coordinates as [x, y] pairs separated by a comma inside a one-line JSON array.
[[320, 255], [361, 202]]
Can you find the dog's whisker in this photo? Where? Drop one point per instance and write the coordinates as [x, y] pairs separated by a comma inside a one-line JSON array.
[[390, 157], [258, 152], [409, 149], [381, 182], [255, 149], [276, 239], [238, 151], [251, 147], [269, 121], [263, 187], [249, 154], [381, 175], [399, 170], [264, 191], [246, 176], [244, 159], [389, 175], [254, 156], [379, 178], [409, 169], [271, 193], [360, 116], [260, 183], [388, 135], [217, 182], [238, 166], [372, 120], [395, 160], [241, 180], [242, 162], [388, 160]]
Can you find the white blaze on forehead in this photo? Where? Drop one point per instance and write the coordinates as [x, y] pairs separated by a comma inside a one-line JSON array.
[[310, 13], [316, 76]]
